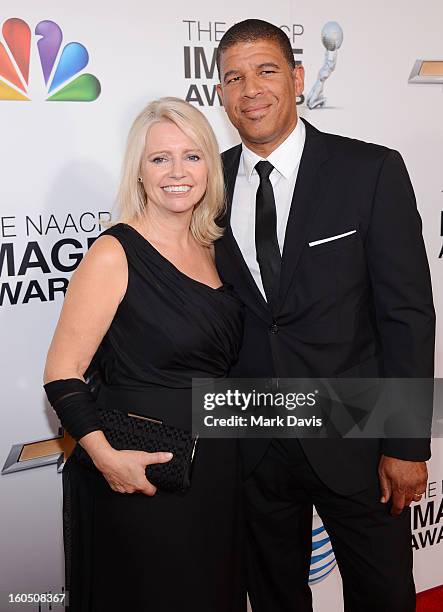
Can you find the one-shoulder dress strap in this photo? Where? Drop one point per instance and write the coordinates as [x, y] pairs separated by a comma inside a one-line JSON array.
[[119, 231], [126, 237]]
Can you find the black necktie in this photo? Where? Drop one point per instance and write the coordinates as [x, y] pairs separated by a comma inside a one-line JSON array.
[[266, 243]]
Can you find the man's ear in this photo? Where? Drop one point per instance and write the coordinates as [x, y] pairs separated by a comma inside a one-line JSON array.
[[299, 79], [220, 92]]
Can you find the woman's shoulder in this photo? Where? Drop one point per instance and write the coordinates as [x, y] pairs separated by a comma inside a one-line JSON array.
[[117, 230], [107, 250], [102, 275]]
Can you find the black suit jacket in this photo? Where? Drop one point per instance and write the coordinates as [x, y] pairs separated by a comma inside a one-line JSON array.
[[360, 306]]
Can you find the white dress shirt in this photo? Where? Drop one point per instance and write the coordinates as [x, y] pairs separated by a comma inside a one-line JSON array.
[[286, 161]]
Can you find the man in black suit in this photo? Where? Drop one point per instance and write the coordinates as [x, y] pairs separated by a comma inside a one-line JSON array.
[[336, 284]]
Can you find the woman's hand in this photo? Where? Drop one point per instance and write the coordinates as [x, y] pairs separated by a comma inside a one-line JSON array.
[[125, 470]]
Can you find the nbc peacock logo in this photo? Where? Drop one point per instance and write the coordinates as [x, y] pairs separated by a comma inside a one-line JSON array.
[[61, 67]]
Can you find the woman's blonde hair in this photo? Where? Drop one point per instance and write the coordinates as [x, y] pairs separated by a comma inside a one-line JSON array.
[[131, 198]]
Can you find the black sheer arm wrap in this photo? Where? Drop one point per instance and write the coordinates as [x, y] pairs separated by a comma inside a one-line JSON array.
[[74, 404]]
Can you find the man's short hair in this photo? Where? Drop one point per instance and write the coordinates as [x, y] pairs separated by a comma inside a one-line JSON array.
[[251, 30]]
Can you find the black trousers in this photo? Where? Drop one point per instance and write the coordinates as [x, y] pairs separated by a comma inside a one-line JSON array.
[[373, 549]]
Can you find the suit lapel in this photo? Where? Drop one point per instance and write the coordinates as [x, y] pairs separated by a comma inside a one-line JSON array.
[[231, 161], [312, 179], [250, 293]]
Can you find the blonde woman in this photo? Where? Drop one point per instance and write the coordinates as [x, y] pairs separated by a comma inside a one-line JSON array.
[[148, 305]]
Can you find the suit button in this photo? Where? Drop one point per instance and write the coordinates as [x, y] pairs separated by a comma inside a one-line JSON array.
[[274, 328]]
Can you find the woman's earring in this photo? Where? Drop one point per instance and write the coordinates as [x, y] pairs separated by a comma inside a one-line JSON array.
[[140, 180]]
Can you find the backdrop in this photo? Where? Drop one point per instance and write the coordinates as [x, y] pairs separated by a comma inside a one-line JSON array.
[[72, 78]]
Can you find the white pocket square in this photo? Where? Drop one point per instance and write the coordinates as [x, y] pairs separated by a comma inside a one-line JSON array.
[[311, 244]]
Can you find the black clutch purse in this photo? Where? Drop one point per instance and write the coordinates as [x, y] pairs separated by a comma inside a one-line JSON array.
[[129, 431]]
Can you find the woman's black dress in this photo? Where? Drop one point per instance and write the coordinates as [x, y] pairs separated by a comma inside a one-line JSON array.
[[169, 552]]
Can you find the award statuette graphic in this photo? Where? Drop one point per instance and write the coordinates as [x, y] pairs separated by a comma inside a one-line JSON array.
[[332, 38]]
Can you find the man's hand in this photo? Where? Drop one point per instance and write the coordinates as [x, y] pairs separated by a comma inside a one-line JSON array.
[[401, 481]]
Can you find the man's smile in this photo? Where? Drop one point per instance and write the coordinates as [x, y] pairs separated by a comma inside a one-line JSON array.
[[255, 111]]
